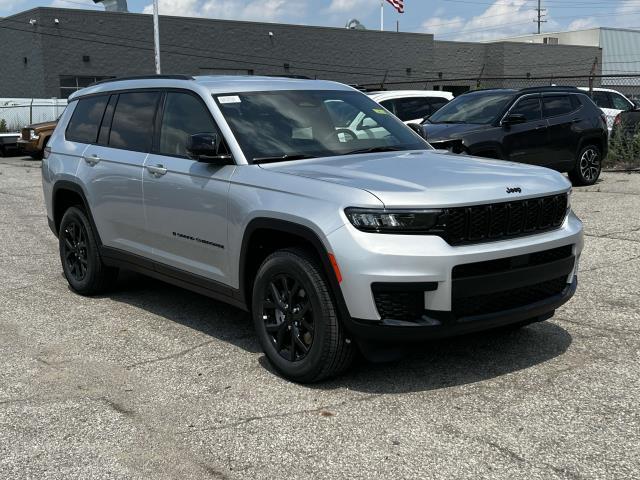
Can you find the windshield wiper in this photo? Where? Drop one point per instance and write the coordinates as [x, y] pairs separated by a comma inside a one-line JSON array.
[[282, 158], [453, 121], [381, 148]]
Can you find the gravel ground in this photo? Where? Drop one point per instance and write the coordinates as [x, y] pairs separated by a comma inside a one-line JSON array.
[[152, 381]]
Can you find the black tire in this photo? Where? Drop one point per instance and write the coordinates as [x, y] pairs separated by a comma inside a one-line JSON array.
[[588, 166], [307, 314], [81, 262]]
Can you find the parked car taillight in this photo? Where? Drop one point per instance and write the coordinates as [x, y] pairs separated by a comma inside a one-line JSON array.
[[618, 120]]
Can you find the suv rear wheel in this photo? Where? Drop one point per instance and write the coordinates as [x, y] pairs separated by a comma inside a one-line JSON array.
[[588, 166], [81, 262], [296, 319]]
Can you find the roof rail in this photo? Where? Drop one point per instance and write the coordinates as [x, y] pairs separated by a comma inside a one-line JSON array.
[[144, 77], [554, 88], [289, 75]]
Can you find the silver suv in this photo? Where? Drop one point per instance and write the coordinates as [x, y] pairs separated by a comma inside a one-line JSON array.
[[262, 193]]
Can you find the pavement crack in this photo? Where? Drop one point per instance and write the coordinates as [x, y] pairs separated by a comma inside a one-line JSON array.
[[303, 411], [169, 357]]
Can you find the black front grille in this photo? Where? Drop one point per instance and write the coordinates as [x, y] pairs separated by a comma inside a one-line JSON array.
[[510, 263], [464, 225], [508, 299]]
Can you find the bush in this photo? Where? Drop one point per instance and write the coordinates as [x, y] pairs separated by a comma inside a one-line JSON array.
[[3, 126], [624, 150]]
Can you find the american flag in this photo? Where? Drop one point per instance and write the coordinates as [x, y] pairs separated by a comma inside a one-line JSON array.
[[398, 5]]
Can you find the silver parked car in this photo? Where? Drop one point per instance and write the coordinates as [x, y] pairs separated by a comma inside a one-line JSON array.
[[252, 191]]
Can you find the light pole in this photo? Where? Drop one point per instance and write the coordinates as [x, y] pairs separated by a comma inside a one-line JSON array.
[[156, 36]]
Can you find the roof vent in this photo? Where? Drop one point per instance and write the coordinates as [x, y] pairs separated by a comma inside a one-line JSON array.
[[114, 5]]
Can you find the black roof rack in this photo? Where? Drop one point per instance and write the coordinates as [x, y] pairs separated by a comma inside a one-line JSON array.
[[289, 75], [554, 88], [144, 77]]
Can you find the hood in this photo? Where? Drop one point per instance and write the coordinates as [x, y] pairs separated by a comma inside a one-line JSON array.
[[449, 131], [43, 125], [426, 178]]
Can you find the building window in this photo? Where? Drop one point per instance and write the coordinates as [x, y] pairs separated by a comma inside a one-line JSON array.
[[72, 83]]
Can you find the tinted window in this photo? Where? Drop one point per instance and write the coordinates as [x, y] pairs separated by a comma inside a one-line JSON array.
[[529, 107], [132, 125], [601, 99], [481, 108], [412, 108], [557, 105], [85, 121], [390, 105], [184, 115], [619, 102]]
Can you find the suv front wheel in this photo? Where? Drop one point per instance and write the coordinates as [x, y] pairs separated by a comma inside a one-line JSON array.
[[588, 166], [296, 320], [81, 262]]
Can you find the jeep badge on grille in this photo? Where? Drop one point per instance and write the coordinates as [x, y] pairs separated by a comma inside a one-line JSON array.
[[514, 190]]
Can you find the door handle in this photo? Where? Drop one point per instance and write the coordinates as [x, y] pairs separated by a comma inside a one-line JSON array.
[[156, 170], [541, 127], [92, 160], [575, 120]]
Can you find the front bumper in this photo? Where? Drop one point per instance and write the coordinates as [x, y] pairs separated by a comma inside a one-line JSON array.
[[368, 259], [27, 146]]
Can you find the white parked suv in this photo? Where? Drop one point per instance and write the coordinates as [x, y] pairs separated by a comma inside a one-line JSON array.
[[611, 102], [248, 190], [412, 106]]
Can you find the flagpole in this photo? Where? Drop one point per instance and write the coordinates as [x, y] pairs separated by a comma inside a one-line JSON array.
[[381, 15]]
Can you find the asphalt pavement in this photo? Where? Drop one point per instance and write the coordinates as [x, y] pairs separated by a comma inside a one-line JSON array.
[[152, 381]]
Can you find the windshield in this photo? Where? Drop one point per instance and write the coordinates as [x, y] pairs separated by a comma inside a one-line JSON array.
[[482, 108], [285, 125]]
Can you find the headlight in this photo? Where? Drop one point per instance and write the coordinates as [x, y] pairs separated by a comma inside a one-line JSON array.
[[394, 221], [32, 134]]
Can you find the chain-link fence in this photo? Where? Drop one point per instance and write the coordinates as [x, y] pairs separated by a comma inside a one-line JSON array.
[[15, 113]]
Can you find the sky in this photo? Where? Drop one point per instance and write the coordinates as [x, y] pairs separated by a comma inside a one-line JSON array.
[[469, 20]]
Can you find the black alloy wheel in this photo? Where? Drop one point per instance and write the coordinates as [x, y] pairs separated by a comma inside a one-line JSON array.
[[296, 319], [288, 317], [588, 166], [74, 250], [81, 262]]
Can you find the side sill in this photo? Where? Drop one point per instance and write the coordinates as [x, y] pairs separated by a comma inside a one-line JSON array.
[[175, 276]]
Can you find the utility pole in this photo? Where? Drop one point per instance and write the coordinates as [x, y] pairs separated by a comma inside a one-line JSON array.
[[156, 36], [541, 15], [381, 15]]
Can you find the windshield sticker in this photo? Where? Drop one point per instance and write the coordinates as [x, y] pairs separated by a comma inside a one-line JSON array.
[[380, 111], [229, 99]]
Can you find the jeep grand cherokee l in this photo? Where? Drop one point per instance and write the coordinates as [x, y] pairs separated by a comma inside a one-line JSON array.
[[555, 127], [244, 189]]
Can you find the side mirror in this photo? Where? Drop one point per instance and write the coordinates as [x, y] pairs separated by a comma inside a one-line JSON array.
[[514, 119], [367, 123], [207, 148], [636, 104], [419, 129]]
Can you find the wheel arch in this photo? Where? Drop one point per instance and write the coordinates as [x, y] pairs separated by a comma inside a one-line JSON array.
[[66, 194], [277, 234]]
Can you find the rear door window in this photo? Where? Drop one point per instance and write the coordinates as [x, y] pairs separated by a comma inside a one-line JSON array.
[[412, 108], [557, 105], [132, 125], [602, 99], [85, 121], [529, 107]]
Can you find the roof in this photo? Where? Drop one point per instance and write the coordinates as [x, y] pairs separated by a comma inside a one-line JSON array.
[[214, 84]]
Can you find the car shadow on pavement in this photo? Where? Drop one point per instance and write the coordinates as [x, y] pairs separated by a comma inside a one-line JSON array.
[[458, 361], [425, 366], [213, 318]]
